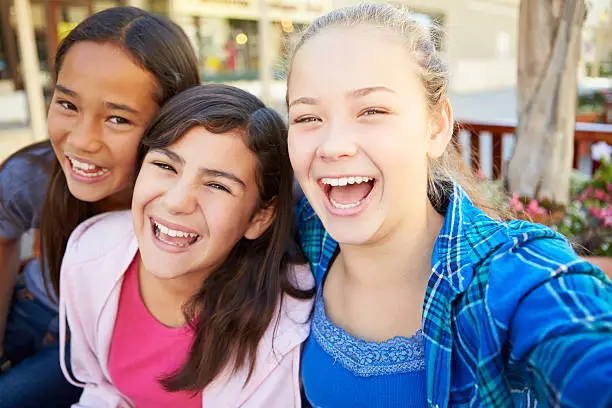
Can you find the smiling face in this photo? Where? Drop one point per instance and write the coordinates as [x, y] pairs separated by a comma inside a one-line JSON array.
[[101, 105], [360, 132], [194, 200]]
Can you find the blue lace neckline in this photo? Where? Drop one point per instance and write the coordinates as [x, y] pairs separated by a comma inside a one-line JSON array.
[[364, 358]]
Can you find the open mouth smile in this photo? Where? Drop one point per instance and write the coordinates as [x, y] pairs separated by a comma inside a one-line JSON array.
[[347, 193]]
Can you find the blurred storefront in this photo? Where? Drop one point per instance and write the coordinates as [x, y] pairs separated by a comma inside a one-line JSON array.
[[51, 20], [226, 33]]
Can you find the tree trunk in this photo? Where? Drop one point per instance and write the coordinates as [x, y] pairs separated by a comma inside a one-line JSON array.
[[549, 51]]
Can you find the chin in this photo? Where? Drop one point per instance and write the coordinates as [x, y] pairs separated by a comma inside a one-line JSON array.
[[352, 232], [161, 269], [86, 194]]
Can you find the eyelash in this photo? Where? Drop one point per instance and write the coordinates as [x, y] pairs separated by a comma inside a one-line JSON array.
[[66, 105], [373, 111], [164, 166], [122, 121], [305, 119], [217, 186]]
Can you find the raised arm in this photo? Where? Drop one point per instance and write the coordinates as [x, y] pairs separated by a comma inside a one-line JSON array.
[[562, 332]]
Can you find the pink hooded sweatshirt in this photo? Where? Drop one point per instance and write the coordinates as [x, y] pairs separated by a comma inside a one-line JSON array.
[[97, 256]]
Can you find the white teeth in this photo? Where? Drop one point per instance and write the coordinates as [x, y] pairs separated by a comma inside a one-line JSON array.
[[84, 169], [344, 206], [174, 233], [96, 174], [343, 181]]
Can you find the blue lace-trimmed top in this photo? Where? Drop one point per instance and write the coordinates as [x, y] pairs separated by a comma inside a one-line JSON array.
[[366, 374]]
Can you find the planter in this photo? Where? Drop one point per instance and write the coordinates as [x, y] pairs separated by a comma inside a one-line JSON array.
[[588, 117], [602, 262]]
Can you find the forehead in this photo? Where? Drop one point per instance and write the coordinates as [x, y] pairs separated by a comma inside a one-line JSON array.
[[103, 70], [352, 58], [222, 151]]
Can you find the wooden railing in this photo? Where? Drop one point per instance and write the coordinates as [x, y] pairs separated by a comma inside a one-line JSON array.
[[585, 135]]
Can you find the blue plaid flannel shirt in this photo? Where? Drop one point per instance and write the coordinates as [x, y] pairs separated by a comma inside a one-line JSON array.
[[511, 315]]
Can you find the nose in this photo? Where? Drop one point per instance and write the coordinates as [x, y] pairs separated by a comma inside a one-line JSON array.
[[180, 199], [337, 144], [86, 135]]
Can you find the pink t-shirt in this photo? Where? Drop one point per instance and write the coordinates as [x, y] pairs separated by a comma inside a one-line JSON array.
[[143, 350]]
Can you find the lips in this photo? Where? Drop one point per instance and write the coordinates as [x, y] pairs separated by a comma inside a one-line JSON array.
[[173, 234]]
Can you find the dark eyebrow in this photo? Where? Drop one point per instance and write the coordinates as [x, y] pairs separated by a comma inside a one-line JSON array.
[[223, 174], [358, 93], [303, 100], [170, 154], [203, 171], [108, 105], [119, 106], [65, 90]]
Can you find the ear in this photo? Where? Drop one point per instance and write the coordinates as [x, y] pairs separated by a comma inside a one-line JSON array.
[[262, 219], [441, 126]]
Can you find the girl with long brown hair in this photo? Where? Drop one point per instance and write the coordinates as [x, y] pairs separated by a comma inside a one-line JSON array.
[[195, 298], [112, 73]]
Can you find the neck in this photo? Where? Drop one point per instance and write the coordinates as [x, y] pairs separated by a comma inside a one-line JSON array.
[[402, 256], [165, 298]]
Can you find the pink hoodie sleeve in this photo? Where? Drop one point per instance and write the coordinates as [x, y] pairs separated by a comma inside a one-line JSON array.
[[86, 372]]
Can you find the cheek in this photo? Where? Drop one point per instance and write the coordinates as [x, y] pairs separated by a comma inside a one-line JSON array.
[[147, 187], [226, 221], [58, 127], [124, 150], [301, 150]]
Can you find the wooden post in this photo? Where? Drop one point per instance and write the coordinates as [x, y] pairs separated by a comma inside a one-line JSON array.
[[52, 9], [265, 59], [31, 69], [141, 4], [10, 45]]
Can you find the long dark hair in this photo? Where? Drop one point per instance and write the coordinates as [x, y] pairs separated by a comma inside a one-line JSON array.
[[160, 47], [237, 302]]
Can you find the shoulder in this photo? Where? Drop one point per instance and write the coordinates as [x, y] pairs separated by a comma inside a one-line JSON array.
[[301, 277], [32, 161], [101, 235], [24, 177], [292, 323]]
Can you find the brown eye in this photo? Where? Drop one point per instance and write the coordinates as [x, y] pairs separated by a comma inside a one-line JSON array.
[[164, 166], [66, 105], [373, 111], [306, 119], [217, 186]]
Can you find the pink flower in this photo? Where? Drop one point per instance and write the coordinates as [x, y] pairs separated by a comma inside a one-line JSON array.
[[588, 191], [600, 194], [595, 211], [516, 204], [609, 187], [534, 208], [606, 216]]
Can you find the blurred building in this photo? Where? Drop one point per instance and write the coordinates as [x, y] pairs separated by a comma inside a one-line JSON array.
[[237, 40]]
